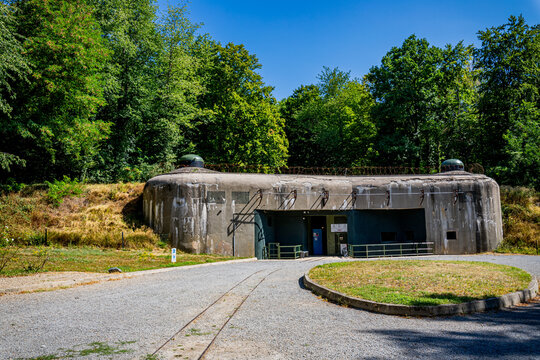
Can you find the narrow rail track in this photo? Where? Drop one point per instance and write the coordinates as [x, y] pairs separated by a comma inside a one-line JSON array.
[[230, 317], [203, 311], [218, 311]]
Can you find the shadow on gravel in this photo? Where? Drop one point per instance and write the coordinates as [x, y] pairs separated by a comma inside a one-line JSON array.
[[301, 282], [508, 333]]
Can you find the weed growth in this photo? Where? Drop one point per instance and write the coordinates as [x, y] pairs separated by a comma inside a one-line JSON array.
[[8, 252], [37, 262], [59, 189]]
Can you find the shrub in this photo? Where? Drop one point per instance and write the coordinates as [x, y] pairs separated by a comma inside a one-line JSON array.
[[11, 186], [518, 195], [59, 189]]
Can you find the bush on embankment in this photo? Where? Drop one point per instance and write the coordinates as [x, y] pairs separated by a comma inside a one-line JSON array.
[[76, 214], [521, 220]]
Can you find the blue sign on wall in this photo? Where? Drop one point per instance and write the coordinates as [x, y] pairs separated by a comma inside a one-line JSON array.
[[317, 242]]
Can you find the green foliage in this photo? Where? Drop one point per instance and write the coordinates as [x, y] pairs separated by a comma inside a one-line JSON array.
[[13, 64], [8, 249], [8, 160], [59, 189], [5, 237], [176, 90], [302, 148], [518, 195], [108, 90], [425, 97], [8, 254], [132, 40], [51, 122], [241, 123], [509, 106], [11, 185], [329, 124], [13, 67]]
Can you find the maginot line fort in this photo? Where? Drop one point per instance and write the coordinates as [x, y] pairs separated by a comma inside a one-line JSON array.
[[269, 216]]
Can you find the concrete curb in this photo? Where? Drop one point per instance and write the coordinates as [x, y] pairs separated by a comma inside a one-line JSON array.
[[495, 303], [94, 278]]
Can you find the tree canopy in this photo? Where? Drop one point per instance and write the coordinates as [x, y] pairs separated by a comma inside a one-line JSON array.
[[508, 64], [113, 90]]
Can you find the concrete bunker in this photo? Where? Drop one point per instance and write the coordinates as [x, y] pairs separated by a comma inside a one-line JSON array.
[[199, 210]]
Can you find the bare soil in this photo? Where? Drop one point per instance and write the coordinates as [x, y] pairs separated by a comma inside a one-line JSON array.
[[53, 281]]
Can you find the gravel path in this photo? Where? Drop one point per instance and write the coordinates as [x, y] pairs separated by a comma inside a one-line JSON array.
[[279, 320]]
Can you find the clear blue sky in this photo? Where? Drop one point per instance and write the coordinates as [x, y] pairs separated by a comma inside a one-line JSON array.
[[293, 40]]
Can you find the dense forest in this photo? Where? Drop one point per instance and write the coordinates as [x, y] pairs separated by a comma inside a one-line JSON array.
[[109, 90]]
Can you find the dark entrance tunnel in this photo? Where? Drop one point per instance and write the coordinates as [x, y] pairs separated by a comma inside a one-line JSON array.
[[326, 232]]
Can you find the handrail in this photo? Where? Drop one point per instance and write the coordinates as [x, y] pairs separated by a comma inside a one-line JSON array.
[[277, 251], [390, 249]]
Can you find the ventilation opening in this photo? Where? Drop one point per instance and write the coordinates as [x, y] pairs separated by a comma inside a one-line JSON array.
[[451, 235], [388, 236]]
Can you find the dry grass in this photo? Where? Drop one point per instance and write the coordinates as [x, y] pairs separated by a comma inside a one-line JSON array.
[[521, 220], [97, 217], [89, 259], [420, 282]]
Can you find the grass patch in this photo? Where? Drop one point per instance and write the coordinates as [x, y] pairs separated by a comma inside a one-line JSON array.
[[196, 332], [420, 282], [95, 349], [521, 220], [92, 259]]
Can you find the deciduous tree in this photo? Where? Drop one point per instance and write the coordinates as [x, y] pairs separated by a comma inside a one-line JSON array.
[[52, 123], [423, 102], [508, 64], [242, 124]]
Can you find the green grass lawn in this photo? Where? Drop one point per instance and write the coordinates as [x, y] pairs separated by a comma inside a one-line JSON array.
[[88, 259], [420, 282]]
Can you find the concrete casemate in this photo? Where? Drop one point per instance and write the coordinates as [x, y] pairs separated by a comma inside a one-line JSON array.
[[203, 211]]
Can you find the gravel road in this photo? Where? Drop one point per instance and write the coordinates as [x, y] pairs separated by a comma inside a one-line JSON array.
[[131, 318]]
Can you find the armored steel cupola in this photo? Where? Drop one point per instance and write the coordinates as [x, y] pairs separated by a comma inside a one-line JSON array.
[[191, 160], [452, 165]]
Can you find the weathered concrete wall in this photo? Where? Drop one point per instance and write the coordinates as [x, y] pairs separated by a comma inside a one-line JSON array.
[[194, 210]]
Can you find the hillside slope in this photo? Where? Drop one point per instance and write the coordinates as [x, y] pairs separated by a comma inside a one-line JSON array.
[[521, 220], [96, 217]]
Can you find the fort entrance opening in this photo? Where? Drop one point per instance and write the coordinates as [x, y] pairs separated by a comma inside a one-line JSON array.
[[331, 232]]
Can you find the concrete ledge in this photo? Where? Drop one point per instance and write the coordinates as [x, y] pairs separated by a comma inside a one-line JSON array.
[[495, 303]]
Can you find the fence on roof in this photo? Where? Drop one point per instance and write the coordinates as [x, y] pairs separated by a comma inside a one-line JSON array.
[[342, 171]]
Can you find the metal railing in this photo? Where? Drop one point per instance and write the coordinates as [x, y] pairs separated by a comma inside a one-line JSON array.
[[277, 251], [343, 171], [390, 249]]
